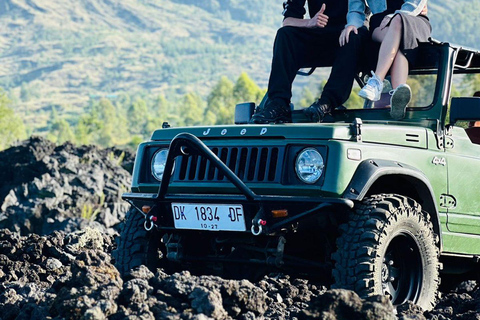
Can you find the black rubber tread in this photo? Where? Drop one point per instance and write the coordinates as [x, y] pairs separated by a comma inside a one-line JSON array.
[[363, 238], [135, 245]]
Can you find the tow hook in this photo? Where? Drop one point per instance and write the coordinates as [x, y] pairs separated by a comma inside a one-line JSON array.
[[149, 222], [257, 227]]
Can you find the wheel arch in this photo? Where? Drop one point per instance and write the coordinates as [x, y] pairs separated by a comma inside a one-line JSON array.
[[374, 176]]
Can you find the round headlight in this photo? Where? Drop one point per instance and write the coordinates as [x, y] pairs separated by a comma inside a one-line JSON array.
[[158, 163], [309, 165]]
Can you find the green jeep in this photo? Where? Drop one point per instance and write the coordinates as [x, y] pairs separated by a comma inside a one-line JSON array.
[[361, 201]]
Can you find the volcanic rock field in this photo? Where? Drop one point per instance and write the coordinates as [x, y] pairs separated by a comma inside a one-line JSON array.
[[60, 212]]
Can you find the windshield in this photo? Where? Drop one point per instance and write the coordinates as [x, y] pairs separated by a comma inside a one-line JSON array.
[[423, 90], [422, 81]]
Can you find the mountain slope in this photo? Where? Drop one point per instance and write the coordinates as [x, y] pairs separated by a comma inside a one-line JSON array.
[[65, 51], [61, 53]]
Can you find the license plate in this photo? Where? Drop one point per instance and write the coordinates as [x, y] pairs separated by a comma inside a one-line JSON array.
[[213, 217]]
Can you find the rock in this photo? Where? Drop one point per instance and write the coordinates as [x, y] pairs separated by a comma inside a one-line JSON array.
[[72, 277], [48, 188], [344, 304], [89, 238], [208, 302], [468, 286], [53, 264], [410, 311]]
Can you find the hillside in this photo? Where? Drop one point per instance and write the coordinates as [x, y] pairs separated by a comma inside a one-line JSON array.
[[62, 53], [59, 53]]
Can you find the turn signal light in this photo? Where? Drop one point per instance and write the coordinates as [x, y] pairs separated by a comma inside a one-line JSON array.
[[146, 209], [280, 213]]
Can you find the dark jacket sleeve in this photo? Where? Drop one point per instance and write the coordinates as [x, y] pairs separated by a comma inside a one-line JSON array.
[[294, 9]]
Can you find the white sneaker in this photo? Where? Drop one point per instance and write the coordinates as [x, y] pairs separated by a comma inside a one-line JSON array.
[[373, 89], [399, 101]]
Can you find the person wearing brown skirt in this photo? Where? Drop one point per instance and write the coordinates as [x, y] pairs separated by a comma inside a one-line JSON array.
[[399, 26]]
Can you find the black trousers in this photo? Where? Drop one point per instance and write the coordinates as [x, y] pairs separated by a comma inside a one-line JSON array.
[[297, 48]]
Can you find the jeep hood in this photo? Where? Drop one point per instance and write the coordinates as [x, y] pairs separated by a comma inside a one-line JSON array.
[[387, 133], [342, 131]]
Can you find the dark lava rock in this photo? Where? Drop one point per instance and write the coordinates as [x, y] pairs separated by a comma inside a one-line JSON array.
[[47, 188], [345, 304], [52, 275], [71, 276]]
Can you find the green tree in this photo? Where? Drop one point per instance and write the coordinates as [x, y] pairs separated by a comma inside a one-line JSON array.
[[61, 132], [87, 128], [107, 116], [104, 125], [191, 110], [470, 84], [12, 127], [161, 108], [160, 113], [137, 116], [307, 98], [246, 90], [220, 103]]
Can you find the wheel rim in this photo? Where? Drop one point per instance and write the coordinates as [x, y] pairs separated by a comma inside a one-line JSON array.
[[402, 270]]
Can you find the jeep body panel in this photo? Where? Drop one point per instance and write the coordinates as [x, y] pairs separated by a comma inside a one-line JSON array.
[[464, 208]]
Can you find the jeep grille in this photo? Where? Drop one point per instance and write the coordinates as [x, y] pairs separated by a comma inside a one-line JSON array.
[[250, 164]]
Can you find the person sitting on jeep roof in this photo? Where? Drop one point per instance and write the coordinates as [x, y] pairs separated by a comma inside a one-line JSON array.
[[309, 43], [399, 25]]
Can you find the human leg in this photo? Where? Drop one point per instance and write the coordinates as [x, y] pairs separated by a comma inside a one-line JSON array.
[[340, 82], [294, 48], [402, 94], [287, 54], [399, 70], [287, 57], [389, 47], [390, 38]]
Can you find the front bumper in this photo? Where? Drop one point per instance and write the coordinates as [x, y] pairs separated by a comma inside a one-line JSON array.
[[258, 208]]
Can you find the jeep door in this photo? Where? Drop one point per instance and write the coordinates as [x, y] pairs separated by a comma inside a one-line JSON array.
[[463, 198]]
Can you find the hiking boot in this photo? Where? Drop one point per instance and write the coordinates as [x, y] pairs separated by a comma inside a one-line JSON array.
[[276, 111], [373, 89], [399, 101], [316, 112]]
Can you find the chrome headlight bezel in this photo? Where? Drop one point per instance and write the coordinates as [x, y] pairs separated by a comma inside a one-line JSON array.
[[313, 164], [158, 162]]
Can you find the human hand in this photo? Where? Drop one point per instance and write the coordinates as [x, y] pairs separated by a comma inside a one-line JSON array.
[[320, 20], [424, 11], [345, 35]]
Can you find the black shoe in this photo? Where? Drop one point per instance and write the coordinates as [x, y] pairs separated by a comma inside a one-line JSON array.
[[317, 111], [399, 101], [277, 111]]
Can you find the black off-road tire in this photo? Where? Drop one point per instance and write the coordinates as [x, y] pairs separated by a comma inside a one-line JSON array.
[[136, 246], [389, 247]]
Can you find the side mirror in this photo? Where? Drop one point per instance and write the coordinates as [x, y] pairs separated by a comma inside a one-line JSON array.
[[465, 108], [244, 112]]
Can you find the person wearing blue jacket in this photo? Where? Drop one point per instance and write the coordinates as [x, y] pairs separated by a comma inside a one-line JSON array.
[[399, 25], [303, 42]]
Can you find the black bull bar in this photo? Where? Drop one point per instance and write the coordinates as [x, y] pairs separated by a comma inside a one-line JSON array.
[[188, 144]]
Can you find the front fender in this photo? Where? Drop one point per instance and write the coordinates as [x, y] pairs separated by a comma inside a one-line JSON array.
[[371, 170]]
